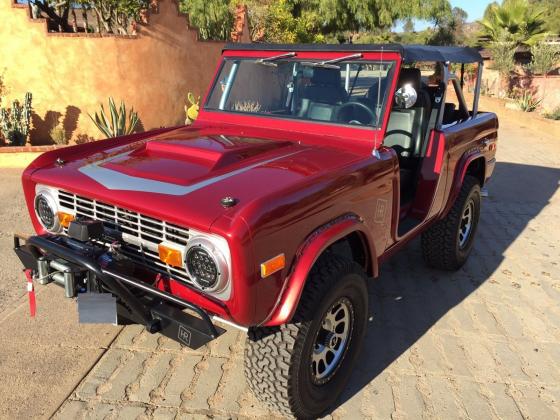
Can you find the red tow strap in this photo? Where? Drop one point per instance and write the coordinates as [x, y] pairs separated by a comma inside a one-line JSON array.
[[31, 292]]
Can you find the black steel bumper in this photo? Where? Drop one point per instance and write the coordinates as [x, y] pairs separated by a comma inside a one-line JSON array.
[[145, 304]]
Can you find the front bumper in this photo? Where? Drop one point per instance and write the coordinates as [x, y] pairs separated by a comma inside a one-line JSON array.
[[86, 268]]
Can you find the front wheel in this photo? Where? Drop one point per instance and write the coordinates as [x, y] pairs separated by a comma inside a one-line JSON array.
[[447, 244], [301, 368]]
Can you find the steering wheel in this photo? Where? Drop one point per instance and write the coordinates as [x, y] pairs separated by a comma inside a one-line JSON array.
[[353, 105]]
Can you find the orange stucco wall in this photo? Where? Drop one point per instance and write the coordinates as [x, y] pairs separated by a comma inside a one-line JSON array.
[[70, 75]]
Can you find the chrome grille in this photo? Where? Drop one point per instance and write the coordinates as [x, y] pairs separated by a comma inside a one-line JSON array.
[[142, 233]]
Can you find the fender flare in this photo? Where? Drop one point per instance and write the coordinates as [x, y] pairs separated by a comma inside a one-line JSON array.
[[308, 253], [459, 177]]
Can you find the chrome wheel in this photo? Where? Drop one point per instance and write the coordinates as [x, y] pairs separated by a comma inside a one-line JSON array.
[[332, 341], [465, 227]]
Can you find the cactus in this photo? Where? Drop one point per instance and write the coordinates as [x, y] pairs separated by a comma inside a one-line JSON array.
[[118, 125], [15, 122], [191, 111]]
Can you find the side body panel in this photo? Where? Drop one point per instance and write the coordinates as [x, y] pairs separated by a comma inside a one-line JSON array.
[[467, 142]]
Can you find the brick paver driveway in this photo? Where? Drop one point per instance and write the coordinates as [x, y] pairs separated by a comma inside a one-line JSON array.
[[479, 343]]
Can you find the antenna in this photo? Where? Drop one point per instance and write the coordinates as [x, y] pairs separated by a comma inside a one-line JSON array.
[[377, 110]]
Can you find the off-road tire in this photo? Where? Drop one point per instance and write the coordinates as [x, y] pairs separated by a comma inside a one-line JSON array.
[[440, 243], [277, 359]]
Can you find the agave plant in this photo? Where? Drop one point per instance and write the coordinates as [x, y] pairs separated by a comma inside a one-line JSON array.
[[119, 124], [528, 102]]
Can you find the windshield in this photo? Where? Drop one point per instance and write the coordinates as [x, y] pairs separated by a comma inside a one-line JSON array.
[[341, 92]]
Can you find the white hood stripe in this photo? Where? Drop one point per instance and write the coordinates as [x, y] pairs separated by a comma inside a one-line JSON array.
[[115, 180]]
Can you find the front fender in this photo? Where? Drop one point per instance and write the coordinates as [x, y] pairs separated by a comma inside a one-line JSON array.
[[307, 255]]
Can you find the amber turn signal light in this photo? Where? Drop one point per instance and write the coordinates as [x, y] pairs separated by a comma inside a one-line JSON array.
[[65, 218], [170, 256], [273, 265]]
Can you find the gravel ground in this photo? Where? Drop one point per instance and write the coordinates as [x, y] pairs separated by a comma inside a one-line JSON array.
[[13, 218]]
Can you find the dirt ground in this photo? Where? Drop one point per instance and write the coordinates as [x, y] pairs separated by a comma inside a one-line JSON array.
[[479, 343]]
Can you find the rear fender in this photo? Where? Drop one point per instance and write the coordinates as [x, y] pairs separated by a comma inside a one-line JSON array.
[[307, 255], [462, 169]]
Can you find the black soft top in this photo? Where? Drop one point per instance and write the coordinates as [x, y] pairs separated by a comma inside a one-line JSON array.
[[410, 53]]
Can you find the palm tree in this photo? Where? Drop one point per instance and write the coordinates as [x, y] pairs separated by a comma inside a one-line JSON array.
[[515, 21]]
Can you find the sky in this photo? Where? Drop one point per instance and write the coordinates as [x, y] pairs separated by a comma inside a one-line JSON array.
[[474, 8]]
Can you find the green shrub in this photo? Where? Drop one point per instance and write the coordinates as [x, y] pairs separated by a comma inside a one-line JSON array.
[[503, 57], [554, 114], [545, 58], [84, 138], [58, 135]]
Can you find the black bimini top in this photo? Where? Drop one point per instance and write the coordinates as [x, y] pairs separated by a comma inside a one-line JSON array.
[[410, 53]]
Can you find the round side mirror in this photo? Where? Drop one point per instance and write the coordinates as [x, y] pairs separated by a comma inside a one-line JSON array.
[[406, 96]]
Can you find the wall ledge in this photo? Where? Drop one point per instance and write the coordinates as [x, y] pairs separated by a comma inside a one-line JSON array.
[[30, 149]]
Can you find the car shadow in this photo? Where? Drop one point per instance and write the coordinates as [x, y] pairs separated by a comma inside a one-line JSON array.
[[409, 298]]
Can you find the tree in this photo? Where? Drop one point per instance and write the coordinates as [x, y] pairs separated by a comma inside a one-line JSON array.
[[515, 20], [213, 18], [56, 12], [371, 15], [321, 20], [552, 8], [450, 30], [116, 16]]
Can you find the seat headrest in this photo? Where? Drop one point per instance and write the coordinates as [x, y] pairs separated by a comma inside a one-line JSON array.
[[412, 76], [328, 77]]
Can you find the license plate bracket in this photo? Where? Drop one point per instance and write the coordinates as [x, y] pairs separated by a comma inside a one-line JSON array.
[[97, 308]]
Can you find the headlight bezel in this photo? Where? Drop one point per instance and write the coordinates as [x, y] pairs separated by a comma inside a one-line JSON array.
[[213, 249], [50, 196]]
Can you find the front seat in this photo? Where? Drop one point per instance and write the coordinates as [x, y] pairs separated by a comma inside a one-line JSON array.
[[407, 126], [322, 94]]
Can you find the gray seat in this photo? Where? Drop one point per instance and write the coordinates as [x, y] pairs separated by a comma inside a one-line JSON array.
[[404, 131], [326, 87], [320, 98], [406, 127], [316, 110]]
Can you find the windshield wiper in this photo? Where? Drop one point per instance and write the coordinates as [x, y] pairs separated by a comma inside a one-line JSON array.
[[330, 64], [269, 60]]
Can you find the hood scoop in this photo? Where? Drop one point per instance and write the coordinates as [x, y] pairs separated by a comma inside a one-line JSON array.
[[178, 167], [213, 152]]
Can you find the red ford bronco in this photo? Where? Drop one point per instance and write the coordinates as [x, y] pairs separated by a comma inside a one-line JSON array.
[[308, 166]]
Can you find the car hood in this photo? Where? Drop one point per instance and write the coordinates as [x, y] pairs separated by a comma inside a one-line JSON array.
[[183, 175]]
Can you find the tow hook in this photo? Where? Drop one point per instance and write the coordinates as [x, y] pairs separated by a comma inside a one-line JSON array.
[[153, 326]]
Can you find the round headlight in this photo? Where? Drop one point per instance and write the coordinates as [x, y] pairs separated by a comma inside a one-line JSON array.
[[205, 265], [46, 210]]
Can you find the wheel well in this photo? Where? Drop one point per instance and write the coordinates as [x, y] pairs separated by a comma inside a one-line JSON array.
[[477, 168], [353, 247]]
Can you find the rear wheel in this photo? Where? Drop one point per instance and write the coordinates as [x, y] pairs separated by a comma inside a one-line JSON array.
[[301, 368], [447, 244]]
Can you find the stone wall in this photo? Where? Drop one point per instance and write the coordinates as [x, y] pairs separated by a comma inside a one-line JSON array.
[[545, 88], [69, 75]]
